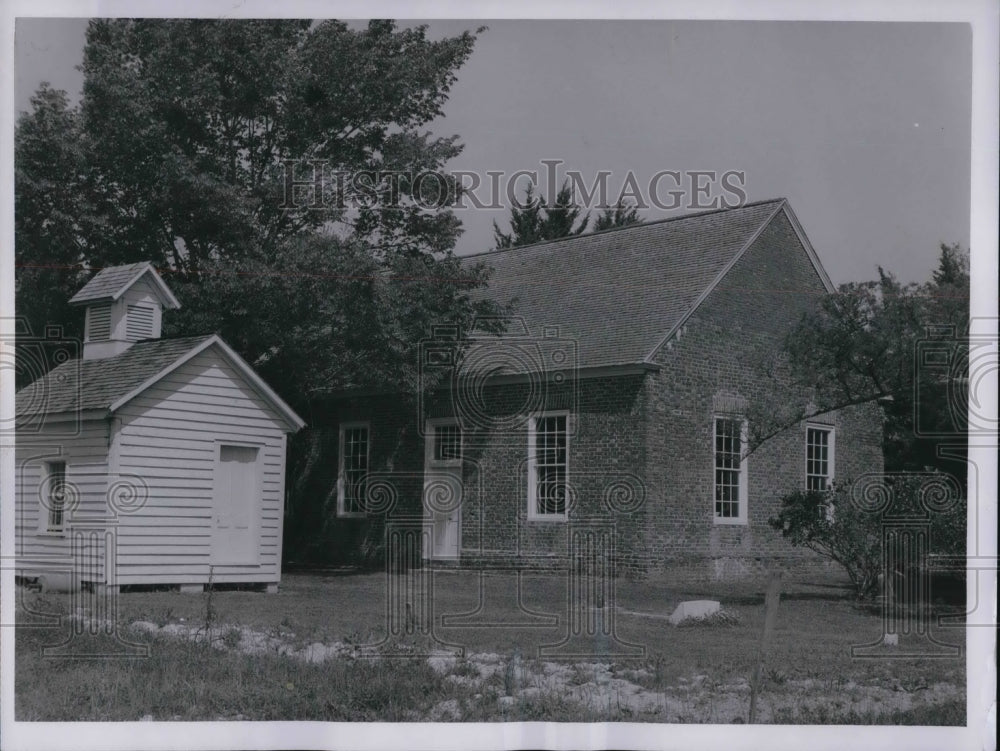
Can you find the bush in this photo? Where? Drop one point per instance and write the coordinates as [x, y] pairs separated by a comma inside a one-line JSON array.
[[844, 528]]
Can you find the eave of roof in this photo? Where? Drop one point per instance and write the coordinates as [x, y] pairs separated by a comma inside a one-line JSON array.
[[84, 296], [87, 387], [258, 383]]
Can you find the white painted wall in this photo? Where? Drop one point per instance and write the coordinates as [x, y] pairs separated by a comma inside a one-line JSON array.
[[170, 436], [84, 448]]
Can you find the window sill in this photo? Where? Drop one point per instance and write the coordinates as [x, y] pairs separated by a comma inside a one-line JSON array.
[[724, 522], [549, 519]]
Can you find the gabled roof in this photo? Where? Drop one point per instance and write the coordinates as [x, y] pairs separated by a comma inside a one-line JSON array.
[[619, 294], [109, 383], [112, 282]]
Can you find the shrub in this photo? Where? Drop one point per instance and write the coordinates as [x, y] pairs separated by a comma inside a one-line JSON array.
[[840, 528]]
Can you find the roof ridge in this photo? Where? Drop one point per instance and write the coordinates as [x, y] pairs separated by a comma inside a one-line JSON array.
[[664, 220]]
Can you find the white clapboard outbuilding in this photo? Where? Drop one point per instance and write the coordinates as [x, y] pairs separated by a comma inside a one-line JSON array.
[[149, 460]]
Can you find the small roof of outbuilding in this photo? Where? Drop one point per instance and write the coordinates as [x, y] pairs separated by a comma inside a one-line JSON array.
[[112, 282], [108, 383]]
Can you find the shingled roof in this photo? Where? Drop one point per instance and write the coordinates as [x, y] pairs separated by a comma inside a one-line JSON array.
[[104, 384], [111, 282], [97, 384], [619, 292]]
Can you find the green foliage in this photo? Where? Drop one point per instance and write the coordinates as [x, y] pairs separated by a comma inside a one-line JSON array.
[[177, 154], [844, 534], [620, 215], [840, 528], [535, 221], [862, 345]]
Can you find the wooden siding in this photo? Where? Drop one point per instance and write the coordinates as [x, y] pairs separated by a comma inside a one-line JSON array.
[[168, 438], [85, 454]]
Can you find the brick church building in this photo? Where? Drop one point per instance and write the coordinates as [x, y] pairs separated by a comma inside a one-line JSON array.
[[611, 419]]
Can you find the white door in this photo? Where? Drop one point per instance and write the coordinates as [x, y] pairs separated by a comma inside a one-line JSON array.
[[237, 502], [442, 495]]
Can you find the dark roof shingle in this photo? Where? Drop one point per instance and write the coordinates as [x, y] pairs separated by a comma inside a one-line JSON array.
[[97, 384], [617, 293], [107, 282]]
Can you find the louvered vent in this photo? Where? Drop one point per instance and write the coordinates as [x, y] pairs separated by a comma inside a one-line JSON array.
[[140, 323], [99, 323]]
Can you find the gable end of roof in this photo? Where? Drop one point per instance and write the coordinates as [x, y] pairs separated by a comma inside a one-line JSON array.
[[280, 407], [715, 282], [112, 282]]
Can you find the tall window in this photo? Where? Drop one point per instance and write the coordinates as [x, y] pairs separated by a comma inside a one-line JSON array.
[[447, 443], [730, 471], [55, 496], [548, 466], [819, 457], [352, 482]]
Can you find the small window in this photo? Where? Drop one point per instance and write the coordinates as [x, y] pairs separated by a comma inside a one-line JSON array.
[[730, 471], [139, 323], [98, 323], [447, 443], [819, 458], [352, 483], [54, 493], [548, 466]]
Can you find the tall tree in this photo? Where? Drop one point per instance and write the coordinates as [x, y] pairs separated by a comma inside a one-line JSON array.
[[534, 221], [562, 218], [526, 222], [274, 169], [621, 214], [866, 344], [52, 210]]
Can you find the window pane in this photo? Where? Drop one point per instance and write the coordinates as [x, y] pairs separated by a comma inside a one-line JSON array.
[[550, 465], [447, 442], [728, 448], [817, 458], [56, 494], [355, 468]]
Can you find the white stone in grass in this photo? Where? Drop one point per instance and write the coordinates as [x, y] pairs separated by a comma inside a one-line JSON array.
[[317, 652], [694, 609], [442, 663], [891, 640]]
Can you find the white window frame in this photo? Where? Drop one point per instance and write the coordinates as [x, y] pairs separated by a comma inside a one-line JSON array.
[[45, 525], [432, 443], [532, 494], [341, 484], [744, 472], [831, 453]]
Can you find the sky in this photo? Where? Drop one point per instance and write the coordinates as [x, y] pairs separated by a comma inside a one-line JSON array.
[[864, 127]]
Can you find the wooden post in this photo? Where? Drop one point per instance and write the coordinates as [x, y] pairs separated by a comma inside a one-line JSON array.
[[770, 617]]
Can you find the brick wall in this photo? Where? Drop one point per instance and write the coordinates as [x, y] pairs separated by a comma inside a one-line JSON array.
[[641, 458], [713, 367]]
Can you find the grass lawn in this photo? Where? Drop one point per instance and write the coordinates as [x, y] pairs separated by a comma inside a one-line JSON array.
[[646, 670]]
